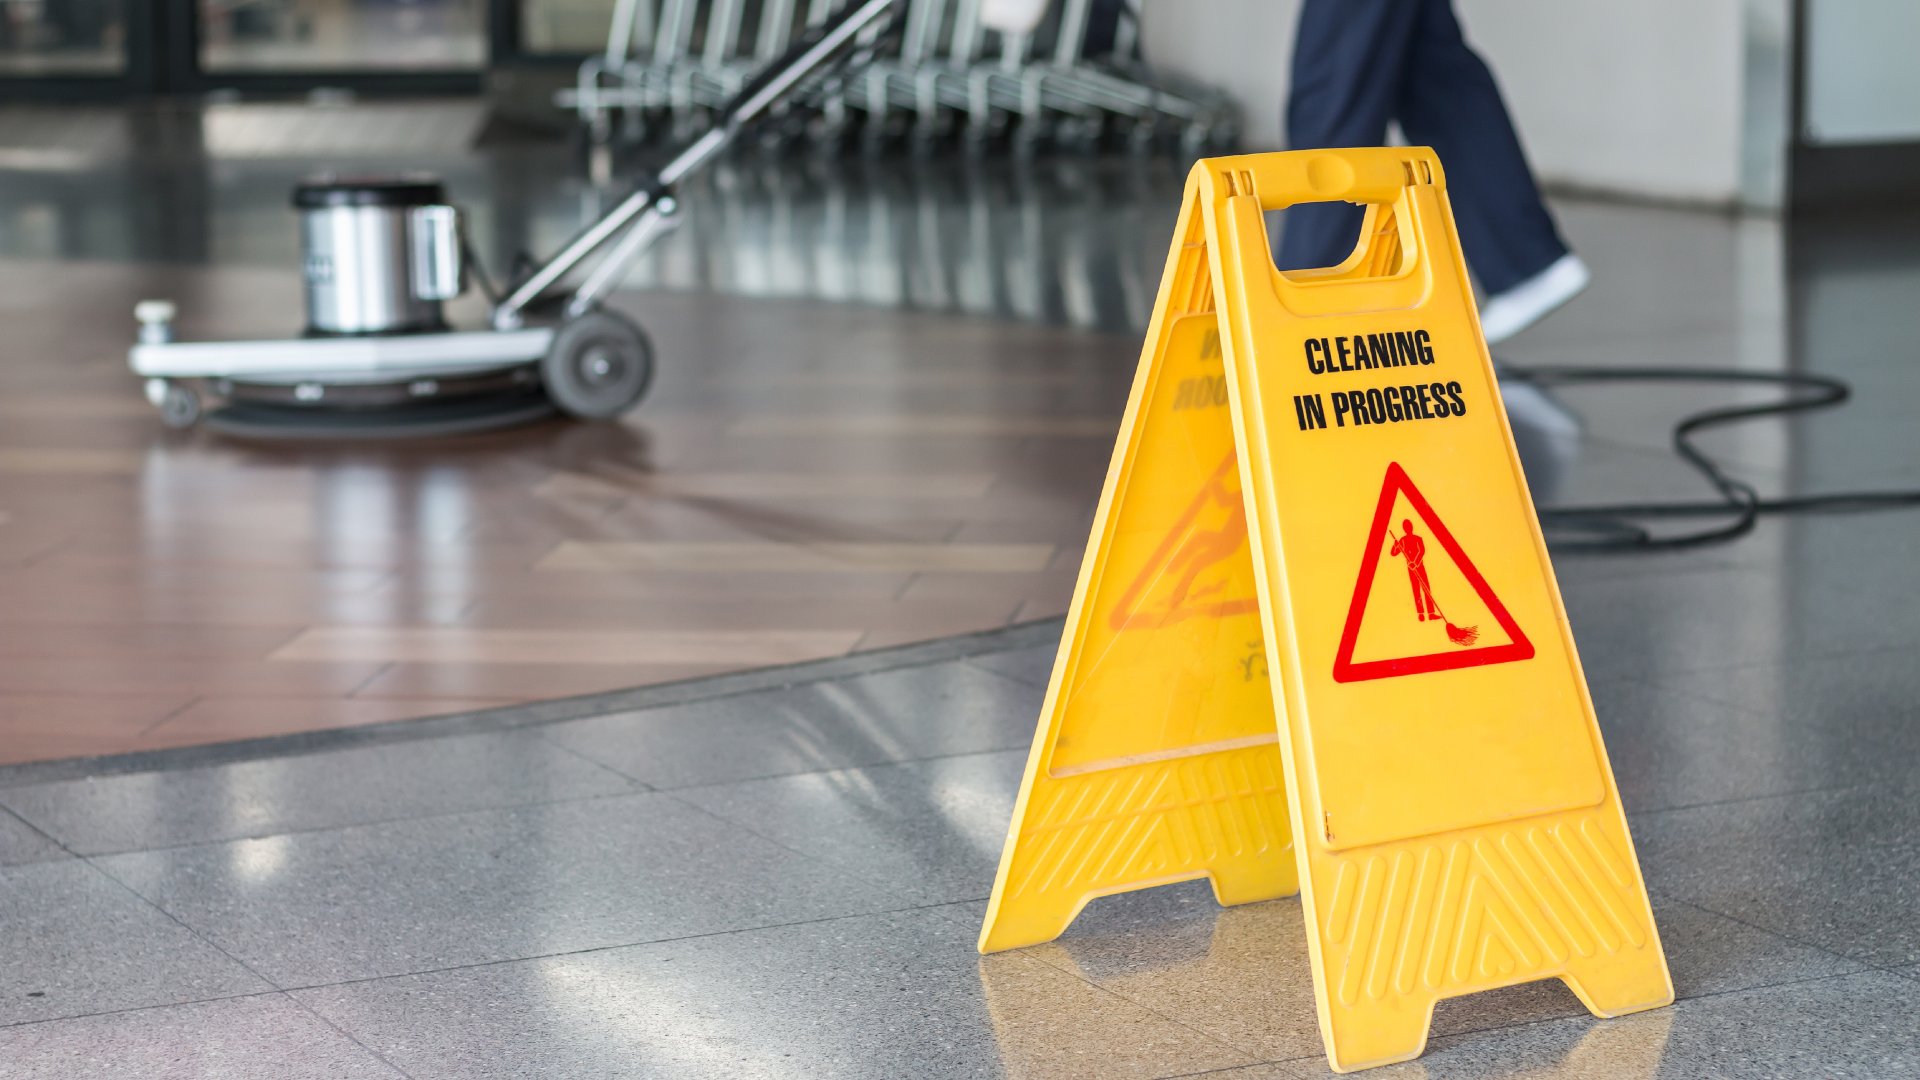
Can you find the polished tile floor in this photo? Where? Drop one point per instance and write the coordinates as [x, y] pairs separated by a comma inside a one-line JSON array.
[[872, 480], [887, 396], [882, 416], [782, 874], [781, 871]]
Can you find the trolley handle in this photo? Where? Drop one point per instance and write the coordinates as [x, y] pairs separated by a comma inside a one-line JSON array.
[[830, 44], [834, 43], [651, 204]]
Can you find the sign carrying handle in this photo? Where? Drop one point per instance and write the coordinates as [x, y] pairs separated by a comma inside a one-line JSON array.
[[1405, 227], [1371, 174]]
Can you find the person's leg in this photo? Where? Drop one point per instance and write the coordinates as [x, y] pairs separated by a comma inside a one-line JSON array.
[[1449, 101], [1347, 61]]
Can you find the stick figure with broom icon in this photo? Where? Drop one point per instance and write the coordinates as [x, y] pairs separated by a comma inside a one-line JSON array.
[[1413, 549]]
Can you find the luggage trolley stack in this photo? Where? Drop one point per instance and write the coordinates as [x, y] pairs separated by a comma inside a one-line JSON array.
[[668, 61], [381, 255]]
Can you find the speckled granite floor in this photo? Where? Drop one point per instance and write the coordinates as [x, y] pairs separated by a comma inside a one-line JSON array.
[[782, 874]]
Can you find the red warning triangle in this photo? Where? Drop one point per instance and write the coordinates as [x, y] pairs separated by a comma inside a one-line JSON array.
[[1517, 647]]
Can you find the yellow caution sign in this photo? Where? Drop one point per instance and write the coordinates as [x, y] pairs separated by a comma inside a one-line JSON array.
[[1157, 758], [1315, 490]]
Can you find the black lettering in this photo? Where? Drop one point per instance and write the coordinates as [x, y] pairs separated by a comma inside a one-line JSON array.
[[1361, 358], [1381, 346], [1341, 406], [1309, 412], [1423, 402], [1421, 340], [1459, 405], [1317, 367], [1395, 411], [1403, 348], [1346, 354], [1376, 406]]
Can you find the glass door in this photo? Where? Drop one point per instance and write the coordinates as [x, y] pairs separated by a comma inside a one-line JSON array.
[[563, 28], [424, 46], [261, 36], [62, 37], [53, 49]]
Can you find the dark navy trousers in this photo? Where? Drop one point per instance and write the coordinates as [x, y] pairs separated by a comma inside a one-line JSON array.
[[1358, 64]]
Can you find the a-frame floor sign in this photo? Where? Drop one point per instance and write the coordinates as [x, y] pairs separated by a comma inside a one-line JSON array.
[[1317, 644]]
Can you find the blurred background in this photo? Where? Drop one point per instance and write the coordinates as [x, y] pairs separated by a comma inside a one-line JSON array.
[[903, 322], [1751, 103], [682, 740]]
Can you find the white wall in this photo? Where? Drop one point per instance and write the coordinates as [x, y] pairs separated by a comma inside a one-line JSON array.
[[1641, 97], [1243, 46], [1862, 82]]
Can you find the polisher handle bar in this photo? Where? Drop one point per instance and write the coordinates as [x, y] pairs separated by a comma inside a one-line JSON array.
[[649, 211]]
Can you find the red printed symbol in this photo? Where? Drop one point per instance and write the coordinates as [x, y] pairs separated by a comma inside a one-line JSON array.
[[1413, 549], [1192, 571], [1454, 645]]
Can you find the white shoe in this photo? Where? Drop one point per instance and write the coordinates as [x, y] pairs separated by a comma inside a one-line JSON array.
[[1512, 311]]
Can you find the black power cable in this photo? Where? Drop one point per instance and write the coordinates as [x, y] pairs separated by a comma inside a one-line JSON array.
[[1614, 528]]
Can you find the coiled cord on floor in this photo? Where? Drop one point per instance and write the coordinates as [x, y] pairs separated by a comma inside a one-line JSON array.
[[1615, 527]]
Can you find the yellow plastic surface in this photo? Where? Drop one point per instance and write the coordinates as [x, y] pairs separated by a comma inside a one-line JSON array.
[[1454, 819], [1157, 759]]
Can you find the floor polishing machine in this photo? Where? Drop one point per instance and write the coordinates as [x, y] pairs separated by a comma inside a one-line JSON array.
[[382, 255]]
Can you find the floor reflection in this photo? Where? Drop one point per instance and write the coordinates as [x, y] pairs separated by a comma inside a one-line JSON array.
[[1546, 433], [813, 388], [1241, 975]]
